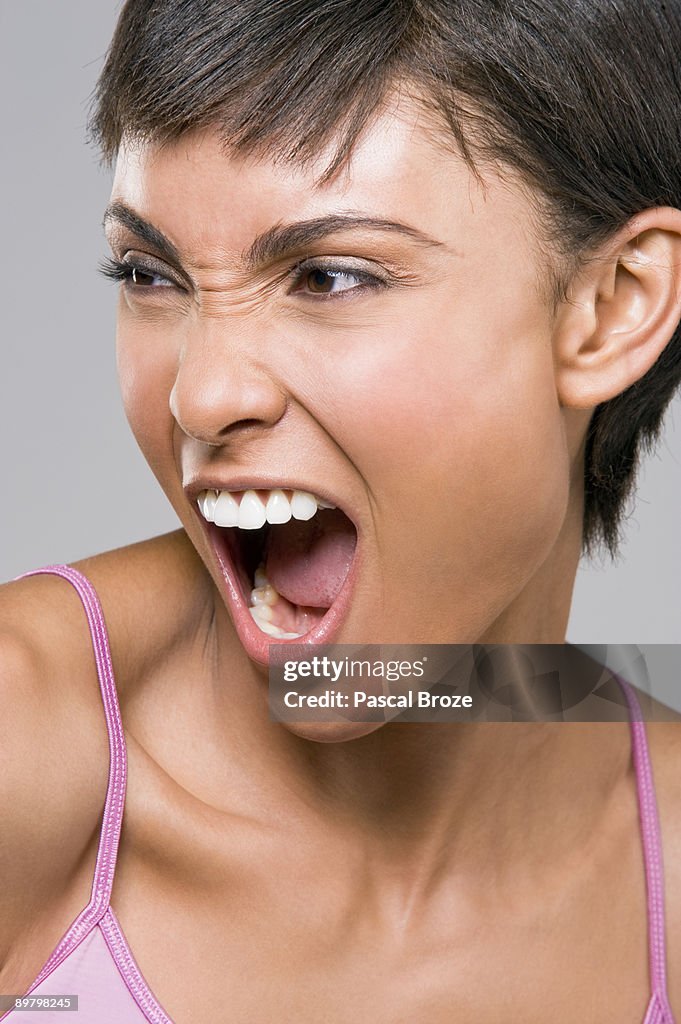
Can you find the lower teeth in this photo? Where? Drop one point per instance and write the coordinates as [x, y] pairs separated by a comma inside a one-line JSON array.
[[263, 596]]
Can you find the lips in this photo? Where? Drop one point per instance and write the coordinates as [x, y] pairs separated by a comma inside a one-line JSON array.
[[289, 561]]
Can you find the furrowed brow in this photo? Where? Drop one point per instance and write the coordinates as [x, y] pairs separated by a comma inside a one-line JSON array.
[[284, 238], [277, 241], [122, 214]]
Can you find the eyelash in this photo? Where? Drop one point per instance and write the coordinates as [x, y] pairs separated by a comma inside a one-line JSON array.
[[117, 270], [122, 271]]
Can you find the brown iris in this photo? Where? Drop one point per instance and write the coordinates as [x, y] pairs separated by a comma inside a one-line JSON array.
[[319, 281]]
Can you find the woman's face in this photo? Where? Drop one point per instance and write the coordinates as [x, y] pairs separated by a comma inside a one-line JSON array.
[[383, 341]]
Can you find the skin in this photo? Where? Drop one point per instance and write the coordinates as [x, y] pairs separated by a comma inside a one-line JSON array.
[[294, 384], [411, 870]]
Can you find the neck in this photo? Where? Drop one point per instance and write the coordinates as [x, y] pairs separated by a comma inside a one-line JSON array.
[[539, 614], [494, 792], [412, 797]]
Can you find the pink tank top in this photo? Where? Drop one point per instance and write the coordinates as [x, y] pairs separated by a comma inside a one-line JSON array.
[[93, 960]]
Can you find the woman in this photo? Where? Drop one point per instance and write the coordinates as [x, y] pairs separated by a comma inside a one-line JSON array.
[[403, 281]]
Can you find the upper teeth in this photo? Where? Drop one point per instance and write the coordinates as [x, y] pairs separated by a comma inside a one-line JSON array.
[[249, 512]]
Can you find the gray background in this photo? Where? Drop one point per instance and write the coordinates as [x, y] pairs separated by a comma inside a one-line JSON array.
[[74, 482]]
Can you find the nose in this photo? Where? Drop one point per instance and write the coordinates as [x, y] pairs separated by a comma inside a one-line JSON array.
[[220, 388]]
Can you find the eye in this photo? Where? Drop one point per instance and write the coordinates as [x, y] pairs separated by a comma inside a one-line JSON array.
[[147, 279], [326, 282], [135, 274], [331, 280]]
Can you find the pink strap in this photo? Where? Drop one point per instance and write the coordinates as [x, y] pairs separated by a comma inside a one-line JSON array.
[[115, 793], [652, 846]]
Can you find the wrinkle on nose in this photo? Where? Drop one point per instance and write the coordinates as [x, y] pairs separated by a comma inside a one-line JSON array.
[[212, 399]]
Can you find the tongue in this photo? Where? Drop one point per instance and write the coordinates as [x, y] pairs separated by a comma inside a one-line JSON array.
[[307, 561]]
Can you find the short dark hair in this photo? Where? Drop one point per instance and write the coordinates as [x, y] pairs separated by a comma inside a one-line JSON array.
[[580, 97]]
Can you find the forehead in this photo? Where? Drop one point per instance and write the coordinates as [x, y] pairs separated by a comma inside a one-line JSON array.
[[208, 200]]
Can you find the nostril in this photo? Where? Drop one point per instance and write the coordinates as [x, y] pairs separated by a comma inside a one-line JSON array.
[[213, 408], [243, 424]]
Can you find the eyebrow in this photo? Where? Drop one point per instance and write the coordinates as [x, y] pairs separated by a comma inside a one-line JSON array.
[[278, 240], [122, 214], [284, 238]]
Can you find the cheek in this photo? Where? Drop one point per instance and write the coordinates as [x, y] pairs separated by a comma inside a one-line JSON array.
[[460, 403], [146, 372], [513, 465], [458, 430]]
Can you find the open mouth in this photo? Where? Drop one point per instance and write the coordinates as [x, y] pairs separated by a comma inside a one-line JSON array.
[[285, 555]]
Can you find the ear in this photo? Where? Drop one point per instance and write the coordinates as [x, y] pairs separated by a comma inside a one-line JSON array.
[[622, 309]]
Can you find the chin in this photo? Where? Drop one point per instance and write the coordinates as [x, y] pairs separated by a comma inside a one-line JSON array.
[[331, 732]]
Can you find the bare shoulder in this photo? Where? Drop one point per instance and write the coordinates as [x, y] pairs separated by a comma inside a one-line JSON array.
[[53, 737], [665, 753], [54, 749], [154, 594], [664, 740]]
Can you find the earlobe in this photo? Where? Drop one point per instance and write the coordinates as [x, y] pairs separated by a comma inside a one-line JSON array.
[[623, 308]]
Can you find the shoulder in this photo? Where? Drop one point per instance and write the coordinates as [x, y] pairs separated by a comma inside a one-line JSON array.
[[53, 747], [665, 753], [154, 595], [53, 737], [664, 740]]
